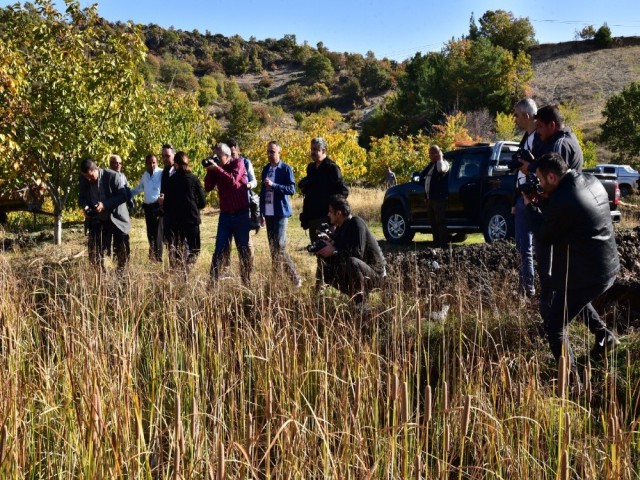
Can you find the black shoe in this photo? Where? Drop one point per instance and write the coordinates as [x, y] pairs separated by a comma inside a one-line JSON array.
[[605, 343]]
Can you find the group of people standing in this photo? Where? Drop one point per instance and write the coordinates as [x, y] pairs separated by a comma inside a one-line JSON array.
[[569, 229], [173, 197]]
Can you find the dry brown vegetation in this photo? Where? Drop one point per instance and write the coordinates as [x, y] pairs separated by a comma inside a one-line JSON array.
[[154, 375]]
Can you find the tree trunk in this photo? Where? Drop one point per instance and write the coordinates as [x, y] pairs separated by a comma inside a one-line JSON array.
[[57, 232]]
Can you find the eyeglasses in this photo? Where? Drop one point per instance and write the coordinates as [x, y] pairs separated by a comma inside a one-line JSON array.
[[271, 152]]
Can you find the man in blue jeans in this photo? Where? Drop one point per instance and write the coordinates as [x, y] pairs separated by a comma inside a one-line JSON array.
[[524, 114], [230, 177], [277, 185]]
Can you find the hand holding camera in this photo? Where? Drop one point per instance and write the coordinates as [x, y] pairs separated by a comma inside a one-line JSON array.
[[325, 237], [520, 158]]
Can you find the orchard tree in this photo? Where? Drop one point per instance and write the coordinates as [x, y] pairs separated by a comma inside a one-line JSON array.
[[11, 106], [170, 116], [620, 129], [81, 84]]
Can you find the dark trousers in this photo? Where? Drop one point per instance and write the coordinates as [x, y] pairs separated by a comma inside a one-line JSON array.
[[184, 245], [543, 267], [351, 276], [563, 307], [277, 236], [153, 220], [436, 210], [314, 225], [100, 236]]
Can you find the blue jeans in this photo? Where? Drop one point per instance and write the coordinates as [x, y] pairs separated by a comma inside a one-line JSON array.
[[236, 226], [524, 244], [277, 235]]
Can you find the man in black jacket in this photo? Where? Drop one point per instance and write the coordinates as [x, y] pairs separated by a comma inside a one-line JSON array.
[[576, 221], [352, 260], [323, 179], [436, 191], [555, 138]]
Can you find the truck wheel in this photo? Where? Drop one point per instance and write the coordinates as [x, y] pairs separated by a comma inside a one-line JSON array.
[[396, 227], [625, 190], [498, 223]]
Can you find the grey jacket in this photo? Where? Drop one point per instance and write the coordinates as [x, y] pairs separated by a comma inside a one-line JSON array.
[[113, 193]]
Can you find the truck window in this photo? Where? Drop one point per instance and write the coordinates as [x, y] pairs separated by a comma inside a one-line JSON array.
[[609, 170]]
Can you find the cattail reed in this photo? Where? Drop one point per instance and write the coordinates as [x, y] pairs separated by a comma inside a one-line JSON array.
[[562, 376], [466, 415], [220, 473], [427, 404]]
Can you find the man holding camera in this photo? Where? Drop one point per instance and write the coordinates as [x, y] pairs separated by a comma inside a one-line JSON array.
[[352, 260], [524, 114], [576, 222], [103, 196], [229, 176], [555, 138]]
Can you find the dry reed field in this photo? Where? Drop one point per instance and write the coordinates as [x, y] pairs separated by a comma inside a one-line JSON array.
[[158, 375]]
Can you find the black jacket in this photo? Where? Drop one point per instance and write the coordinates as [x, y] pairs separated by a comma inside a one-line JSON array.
[[439, 184], [566, 144], [354, 239], [576, 220], [183, 200], [320, 183]]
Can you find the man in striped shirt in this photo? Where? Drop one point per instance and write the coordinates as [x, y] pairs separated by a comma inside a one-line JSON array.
[[230, 178]]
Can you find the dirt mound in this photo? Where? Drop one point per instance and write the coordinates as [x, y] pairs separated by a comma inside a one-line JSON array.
[[489, 272]]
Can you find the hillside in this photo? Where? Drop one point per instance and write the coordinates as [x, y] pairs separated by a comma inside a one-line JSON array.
[[577, 73]]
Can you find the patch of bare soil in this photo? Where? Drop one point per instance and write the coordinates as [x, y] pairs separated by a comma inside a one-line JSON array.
[[489, 273]]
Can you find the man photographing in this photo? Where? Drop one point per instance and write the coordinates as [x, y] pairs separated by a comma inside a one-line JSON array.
[[576, 221], [352, 260]]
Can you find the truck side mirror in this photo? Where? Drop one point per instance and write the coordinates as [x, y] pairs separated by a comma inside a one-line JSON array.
[[415, 177]]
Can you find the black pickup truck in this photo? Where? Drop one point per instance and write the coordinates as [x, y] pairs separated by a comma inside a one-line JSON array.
[[481, 192]]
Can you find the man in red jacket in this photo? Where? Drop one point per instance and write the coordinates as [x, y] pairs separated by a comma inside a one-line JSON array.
[[230, 177]]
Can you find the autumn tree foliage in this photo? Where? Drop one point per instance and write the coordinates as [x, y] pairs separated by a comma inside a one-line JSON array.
[[620, 128], [75, 89]]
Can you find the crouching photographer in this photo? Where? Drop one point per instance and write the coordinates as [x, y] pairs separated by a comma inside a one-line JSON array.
[[352, 260], [575, 220]]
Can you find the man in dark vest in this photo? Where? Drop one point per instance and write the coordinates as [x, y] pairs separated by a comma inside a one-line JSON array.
[[435, 177]]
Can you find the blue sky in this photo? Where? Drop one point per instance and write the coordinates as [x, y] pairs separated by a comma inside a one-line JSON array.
[[394, 28]]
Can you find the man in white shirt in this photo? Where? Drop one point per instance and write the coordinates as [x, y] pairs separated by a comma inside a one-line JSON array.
[[150, 183], [524, 114]]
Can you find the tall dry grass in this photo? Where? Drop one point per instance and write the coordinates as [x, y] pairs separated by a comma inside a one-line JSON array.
[[157, 376]]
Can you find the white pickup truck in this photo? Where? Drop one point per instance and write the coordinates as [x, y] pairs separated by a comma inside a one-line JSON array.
[[627, 176]]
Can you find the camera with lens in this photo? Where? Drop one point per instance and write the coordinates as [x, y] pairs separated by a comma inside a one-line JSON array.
[[324, 233], [207, 162], [531, 187], [90, 211], [524, 155]]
